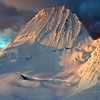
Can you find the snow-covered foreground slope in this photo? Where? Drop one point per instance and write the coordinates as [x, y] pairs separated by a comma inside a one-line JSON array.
[[57, 53]]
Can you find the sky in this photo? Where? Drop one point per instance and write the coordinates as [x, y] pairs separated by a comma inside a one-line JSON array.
[[5, 38], [16, 13]]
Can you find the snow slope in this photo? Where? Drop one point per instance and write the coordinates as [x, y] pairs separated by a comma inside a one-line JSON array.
[[54, 45]]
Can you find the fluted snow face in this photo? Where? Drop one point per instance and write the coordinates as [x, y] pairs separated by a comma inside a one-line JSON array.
[[55, 27]]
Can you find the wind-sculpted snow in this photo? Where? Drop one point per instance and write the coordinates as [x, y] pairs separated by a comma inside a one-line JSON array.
[[56, 27], [55, 49]]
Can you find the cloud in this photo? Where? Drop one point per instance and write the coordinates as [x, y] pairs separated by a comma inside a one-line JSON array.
[[27, 4], [8, 17], [11, 18], [36, 5], [88, 12], [19, 4]]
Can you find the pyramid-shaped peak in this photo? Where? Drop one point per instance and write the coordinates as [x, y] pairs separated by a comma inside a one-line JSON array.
[[55, 26]]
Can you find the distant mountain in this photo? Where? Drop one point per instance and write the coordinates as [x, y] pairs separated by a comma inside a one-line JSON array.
[[53, 45]]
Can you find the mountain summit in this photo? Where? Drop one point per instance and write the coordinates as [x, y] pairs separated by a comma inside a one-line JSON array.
[[53, 45], [56, 27]]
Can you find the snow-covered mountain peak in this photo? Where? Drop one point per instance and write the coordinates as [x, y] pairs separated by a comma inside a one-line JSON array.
[[55, 46], [56, 27]]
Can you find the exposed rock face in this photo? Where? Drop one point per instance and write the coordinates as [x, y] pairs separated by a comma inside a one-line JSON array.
[[55, 44]]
